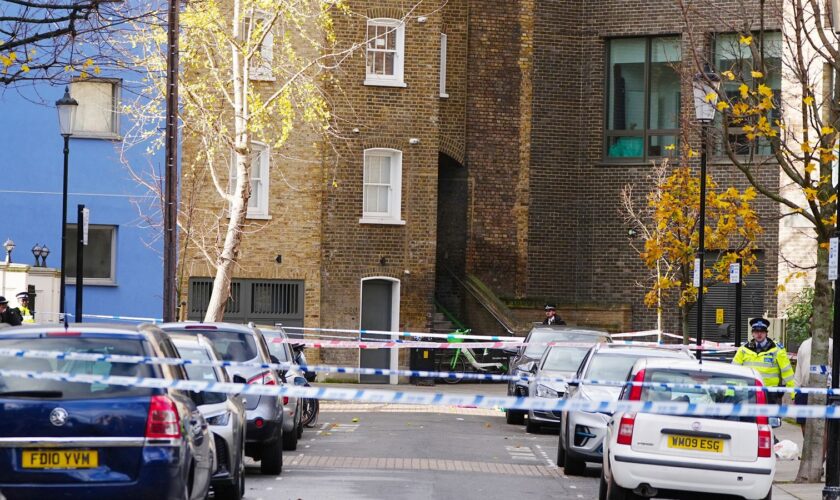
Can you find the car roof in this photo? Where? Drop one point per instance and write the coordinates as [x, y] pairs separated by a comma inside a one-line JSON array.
[[714, 367], [108, 329], [186, 326], [570, 329], [651, 350]]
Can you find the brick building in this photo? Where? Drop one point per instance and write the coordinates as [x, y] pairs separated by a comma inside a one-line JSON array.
[[503, 165]]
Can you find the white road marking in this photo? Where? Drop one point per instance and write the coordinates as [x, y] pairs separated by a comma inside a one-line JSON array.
[[520, 453], [541, 452]]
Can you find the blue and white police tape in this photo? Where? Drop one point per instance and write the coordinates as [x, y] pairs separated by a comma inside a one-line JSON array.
[[149, 360], [442, 399], [140, 319], [820, 369], [411, 344]]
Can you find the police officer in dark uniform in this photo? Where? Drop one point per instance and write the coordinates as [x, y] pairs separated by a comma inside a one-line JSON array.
[[551, 317], [8, 315]]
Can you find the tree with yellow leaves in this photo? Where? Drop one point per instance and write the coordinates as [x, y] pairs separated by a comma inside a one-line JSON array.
[[779, 122], [668, 224], [251, 73]]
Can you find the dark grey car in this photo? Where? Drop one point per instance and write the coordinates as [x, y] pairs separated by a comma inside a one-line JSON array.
[[241, 343], [526, 357]]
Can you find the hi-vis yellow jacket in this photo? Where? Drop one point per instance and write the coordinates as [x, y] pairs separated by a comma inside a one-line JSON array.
[[27, 314], [771, 362]]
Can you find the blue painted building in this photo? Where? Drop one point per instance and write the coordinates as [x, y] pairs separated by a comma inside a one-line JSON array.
[[123, 260]]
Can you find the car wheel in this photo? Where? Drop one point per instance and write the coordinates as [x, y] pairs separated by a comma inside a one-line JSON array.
[[290, 440], [233, 491], [561, 450], [300, 422], [271, 463], [514, 417], [532, 427], [573, 466]]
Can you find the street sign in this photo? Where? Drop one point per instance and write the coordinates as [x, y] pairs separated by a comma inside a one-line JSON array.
[[832, 259], [735, 273], [85, 220], [697, 273]]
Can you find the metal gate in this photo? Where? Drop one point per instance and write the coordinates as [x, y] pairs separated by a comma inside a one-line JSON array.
[[719, 305], [262, 301]]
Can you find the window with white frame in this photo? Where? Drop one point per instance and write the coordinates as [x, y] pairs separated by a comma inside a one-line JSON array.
[[96, 115], [443, 65], [254, 33], [100, 255], [385, 52], [382, 186], [260, 162]]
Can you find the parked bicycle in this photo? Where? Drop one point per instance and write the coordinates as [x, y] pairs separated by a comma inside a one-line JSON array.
[[458, 361], [310, 407]]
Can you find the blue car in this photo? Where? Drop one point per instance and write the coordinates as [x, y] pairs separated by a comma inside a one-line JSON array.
[[63, 440]]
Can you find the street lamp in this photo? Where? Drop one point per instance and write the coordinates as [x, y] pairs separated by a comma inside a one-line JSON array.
[[66, 116], [9, 245], [36, 251], [45, 250], [705, 86]]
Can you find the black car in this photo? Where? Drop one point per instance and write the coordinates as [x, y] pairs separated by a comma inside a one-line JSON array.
[[526, 357]]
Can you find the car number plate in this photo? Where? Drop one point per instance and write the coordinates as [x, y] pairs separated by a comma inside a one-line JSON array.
[[695, 443], [60, 459]]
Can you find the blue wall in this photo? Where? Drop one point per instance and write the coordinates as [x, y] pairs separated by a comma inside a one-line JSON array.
[[31, 169]]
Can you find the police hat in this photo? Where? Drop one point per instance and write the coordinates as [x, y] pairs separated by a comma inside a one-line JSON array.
[[759, 324], [22, 296], [550, 307], [3, 300]]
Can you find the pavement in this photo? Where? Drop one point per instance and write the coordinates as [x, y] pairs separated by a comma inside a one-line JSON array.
[[784, 487]]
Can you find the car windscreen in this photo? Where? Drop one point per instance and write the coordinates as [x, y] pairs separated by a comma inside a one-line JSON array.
[[606, 366], [536, 341], [233, 346], [564, 359], [199, 372], [61, 390], [735, 389]]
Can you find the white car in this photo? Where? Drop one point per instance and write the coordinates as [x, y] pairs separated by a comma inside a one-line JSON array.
[[647, 454], [582, 432]]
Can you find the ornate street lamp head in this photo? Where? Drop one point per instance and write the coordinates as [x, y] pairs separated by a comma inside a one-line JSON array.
[[705, 85], [66, 113]]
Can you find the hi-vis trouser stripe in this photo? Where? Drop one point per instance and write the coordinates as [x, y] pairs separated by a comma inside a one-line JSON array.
[[441, 399], [148, 360]]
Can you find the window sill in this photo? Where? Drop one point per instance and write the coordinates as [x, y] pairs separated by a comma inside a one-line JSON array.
[[258, 216], [94, 282], [444, 96], [105, 136], [628, 163], [384, 83], [387, 222]]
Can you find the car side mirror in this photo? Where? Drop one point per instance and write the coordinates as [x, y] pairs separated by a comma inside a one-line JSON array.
[[775, 422]]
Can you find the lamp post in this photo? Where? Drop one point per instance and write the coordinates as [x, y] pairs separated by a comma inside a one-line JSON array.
[[36, 251], [9, 245], [705, 87], [45, 250], [66, 116]]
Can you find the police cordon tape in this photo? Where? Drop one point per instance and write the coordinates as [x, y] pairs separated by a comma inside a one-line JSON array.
[[402, 344], [149, 360], [442, 399], [491, 338]]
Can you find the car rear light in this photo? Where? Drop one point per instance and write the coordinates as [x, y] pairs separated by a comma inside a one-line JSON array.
[[285, 400], [625, 428], [636, 390], [760, 399], [765, 441], [259, 422], [200, 327], [163, 421], [263, 378], [64, 333]]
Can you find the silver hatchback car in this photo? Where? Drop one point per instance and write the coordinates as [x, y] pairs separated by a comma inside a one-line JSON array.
[[225, 414], [241, 343], [582, 432]]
